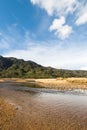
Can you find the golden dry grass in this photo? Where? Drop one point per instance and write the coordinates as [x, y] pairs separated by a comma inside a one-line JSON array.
[[57, 83], [66, 83]]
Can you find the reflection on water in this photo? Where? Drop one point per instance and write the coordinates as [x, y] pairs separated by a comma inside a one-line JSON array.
[[45, 109]]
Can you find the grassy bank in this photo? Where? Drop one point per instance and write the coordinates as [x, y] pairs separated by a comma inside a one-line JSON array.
[[64, 83], [57, 83]]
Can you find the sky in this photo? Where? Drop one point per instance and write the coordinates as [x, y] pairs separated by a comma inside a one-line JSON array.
[[48, 32]]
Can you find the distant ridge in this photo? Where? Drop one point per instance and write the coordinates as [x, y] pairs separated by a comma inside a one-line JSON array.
[[18, 68]]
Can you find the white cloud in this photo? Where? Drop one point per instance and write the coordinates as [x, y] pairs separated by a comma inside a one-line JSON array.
[[57, 7], [82, 15], [61, 29], [65, 7], [57, 23]]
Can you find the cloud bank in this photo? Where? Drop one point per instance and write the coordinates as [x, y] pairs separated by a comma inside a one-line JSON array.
[[59, 57], [46, 53]]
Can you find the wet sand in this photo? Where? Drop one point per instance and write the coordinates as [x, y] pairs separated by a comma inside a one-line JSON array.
[[24, 108]]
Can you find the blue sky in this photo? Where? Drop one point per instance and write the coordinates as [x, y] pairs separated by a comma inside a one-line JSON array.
[[51, 33]]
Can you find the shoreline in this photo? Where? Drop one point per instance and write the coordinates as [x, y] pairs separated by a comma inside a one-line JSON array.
[[57, 83]]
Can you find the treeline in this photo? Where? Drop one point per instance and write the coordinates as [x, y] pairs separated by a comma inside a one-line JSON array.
[[18, 68]]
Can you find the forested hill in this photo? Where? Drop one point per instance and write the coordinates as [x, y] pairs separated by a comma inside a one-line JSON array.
[[12, 67]]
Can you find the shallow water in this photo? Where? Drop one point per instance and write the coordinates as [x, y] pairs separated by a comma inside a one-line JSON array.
[[47, 109]]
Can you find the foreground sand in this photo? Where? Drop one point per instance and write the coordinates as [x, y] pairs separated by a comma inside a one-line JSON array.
[[7, 114], [20, 110], [16, 113]]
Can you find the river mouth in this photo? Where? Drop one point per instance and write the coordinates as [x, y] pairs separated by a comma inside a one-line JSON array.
[[47, 109]]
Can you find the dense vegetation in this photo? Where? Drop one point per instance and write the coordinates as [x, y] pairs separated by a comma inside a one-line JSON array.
[[12, 67]]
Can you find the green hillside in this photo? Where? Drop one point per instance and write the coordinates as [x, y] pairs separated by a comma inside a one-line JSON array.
[[18, 68]]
